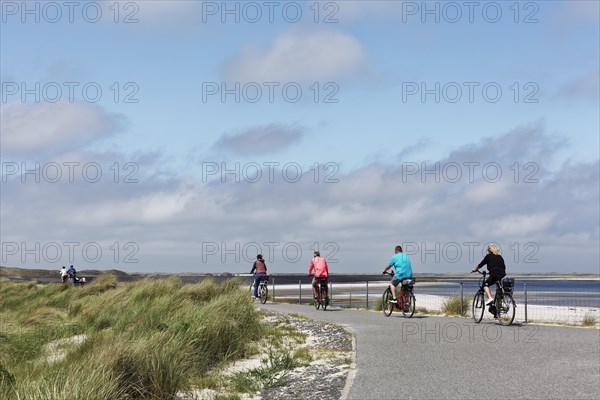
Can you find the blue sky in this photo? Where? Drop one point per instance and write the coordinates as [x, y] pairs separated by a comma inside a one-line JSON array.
[[373, 59]]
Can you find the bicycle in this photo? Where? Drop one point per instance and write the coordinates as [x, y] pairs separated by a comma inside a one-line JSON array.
[[322, 299], [263, 290], [503, 306], [405, 301]]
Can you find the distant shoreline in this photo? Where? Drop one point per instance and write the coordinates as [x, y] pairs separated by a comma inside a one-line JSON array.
[[44, 274], [50, 276]]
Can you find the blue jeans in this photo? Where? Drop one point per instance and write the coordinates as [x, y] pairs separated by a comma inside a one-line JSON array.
[[257, 279]]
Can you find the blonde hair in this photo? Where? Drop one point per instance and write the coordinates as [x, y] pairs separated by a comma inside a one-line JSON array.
[[492, 248]]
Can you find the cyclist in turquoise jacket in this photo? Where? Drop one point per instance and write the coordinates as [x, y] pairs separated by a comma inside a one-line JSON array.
[[401, 264]]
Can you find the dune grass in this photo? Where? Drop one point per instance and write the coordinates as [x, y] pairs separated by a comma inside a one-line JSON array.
[[589, 320], [270, 373], [143, 340], [452, 306]]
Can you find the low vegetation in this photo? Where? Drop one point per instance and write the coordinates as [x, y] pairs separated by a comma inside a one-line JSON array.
[[281, 351], [589, 320], [270, 373], [452, 306], [149, 339], [378, 304]]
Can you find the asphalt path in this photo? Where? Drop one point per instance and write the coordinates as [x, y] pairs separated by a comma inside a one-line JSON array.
[[432, 357]]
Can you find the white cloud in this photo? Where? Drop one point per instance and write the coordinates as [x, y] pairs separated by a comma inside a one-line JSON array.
[[516, 226], [146, 208], [33, 127], [482, 192], [299, 56], [364, 215]]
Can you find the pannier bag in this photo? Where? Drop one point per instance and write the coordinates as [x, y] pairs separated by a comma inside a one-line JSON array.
[[508, 284]]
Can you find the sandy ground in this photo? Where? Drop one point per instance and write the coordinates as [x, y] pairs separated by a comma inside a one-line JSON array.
[[332, 350]]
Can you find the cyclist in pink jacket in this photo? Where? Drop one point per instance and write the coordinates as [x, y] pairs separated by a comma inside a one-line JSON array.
[[319, 265]]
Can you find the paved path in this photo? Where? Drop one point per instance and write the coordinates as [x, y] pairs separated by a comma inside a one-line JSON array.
[[430, 357]]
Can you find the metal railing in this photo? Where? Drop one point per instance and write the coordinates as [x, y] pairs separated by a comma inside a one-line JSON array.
[[533, 303]]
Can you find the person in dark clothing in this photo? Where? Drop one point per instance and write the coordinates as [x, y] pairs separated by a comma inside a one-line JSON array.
[[72, 273], [496, 268], [260, 267]]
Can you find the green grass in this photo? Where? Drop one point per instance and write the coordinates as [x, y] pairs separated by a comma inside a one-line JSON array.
[[271, 373], [149, 339], [378, 304], [451, 306]]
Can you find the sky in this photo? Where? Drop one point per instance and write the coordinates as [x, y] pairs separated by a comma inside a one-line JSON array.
[[189, 136]]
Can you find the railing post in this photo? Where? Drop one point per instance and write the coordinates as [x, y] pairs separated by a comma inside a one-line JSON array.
[[525, 285], [273, 290], [330, 292], [461, 300], [299, 292], [367, 295]]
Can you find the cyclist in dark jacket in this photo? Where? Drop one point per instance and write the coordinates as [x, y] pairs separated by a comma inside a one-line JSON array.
[[496, 267], [72, 273]]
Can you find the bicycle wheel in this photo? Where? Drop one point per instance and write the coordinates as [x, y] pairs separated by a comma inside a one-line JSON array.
[[506, 311], [386, 305], [478, 307], [318, 299], [409, 306], [324, 297], [252, 293], [263, 293]]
